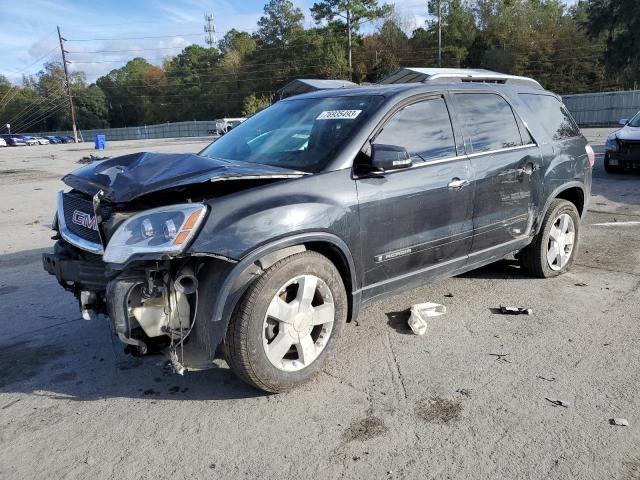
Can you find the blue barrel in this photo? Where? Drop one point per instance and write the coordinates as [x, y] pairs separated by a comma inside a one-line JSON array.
[[100, 142]]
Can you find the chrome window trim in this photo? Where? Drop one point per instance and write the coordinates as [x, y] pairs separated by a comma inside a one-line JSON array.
[[500, 150], [71, 237], [464, 156]]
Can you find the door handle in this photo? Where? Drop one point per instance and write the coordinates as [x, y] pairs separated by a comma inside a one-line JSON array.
[[457, 184]]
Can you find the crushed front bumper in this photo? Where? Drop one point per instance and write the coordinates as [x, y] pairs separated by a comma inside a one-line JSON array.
[[76, 271], [626, 157]]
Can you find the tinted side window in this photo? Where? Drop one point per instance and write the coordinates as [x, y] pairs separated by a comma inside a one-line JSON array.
[[553, 116], [423, 128], [488, 120]]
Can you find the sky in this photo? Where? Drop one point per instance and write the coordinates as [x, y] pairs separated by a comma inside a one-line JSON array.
[[28, 36]]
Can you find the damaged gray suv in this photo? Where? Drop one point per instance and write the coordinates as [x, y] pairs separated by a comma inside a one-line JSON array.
[[275, 235]]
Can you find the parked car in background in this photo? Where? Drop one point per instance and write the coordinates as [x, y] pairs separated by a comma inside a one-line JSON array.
[[279, 232], [42, 140], [29, 140], [66, 139], [53, 139], [14, 140], [2, 142], [224, 125], [623, 146]]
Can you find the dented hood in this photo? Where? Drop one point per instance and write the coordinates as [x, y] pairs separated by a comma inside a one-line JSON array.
[[125, 178]]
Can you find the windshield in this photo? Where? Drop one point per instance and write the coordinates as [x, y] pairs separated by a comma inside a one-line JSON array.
[[635, 121], [300, 134]]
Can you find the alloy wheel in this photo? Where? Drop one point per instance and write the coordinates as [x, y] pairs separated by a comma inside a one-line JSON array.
[[298, 323], [561, 240]]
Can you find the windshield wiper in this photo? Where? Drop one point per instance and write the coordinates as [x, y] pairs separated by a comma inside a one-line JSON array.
[[420, 157]]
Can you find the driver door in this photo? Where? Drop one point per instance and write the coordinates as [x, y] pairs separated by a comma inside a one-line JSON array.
[[416, 222]]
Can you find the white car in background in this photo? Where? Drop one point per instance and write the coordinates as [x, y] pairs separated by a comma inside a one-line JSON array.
[[2, 142], [623, 146], [42, 140], [223, 125], [30, 140]]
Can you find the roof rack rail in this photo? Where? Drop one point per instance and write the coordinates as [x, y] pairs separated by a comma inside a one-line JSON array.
[[440, 75]]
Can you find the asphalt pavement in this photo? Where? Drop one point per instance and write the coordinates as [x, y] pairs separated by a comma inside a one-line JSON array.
[[470, 399]]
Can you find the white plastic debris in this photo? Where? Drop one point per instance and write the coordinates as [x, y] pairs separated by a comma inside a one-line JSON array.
[[621, 422], [419, 314]]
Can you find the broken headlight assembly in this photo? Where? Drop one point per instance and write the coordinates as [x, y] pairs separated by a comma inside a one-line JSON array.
[[612, 144], [164, 230]]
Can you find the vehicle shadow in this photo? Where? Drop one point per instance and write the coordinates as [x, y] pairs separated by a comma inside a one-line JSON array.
[[62, 370], [399, 321], [508, 269], [22, 258]]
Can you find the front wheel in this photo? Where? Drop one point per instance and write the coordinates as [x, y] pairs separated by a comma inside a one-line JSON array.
[[554, 248], [286, 323]]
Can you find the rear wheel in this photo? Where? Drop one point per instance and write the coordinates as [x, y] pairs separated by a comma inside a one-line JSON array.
[[286, 323], [554, 249]]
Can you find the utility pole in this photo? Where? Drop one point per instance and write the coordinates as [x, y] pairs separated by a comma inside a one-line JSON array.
[[66, 77], [349, 43], [210, 29], [439, 33]]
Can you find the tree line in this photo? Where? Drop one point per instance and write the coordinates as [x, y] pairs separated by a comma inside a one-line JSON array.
[[590, 46]]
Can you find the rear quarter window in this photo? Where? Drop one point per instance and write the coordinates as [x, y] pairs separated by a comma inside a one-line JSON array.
[[552, 115], [488, 120]]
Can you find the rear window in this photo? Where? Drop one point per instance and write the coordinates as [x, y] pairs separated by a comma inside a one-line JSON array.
[[553, 116], [489, 121]]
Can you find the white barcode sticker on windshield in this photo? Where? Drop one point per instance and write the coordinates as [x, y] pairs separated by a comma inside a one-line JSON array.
[[339, 114]]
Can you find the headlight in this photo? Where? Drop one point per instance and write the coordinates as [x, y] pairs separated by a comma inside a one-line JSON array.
[[161, 230], [612, 144]]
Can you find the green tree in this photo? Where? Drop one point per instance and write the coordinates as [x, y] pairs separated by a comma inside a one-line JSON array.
[[253, 104], [240, 42], [618, 21], [350, 13], [280, 23]]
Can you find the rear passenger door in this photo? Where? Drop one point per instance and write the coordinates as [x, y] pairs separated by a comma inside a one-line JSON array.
[[416, 222], [506, 169]]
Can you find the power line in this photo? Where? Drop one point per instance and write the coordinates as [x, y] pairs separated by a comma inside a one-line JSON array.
[[55, 110]]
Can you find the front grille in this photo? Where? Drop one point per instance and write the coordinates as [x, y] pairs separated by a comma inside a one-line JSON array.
[[630, 150], [79, 217]]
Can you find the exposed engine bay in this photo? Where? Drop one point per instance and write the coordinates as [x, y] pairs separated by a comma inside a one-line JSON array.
[[123, 233]]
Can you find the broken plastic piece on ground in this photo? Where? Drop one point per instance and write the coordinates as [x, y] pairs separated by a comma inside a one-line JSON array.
[[515, 310], [621, 422], [581, 284], [419, 314], [557, 402]]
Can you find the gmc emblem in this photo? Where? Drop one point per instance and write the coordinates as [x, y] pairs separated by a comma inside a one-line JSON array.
[[85, 220]]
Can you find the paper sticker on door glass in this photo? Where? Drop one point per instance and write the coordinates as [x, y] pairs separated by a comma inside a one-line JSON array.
[[339, 114]]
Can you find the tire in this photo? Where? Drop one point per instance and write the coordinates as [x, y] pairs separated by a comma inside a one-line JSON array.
[[534, 259], [608, 167], [252, 336]]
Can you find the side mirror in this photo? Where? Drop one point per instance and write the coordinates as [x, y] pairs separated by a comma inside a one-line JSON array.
[[389, 157], [623, 121]]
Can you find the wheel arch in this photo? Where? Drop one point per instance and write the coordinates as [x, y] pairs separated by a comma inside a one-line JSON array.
[[573, 192], [237, 280]]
